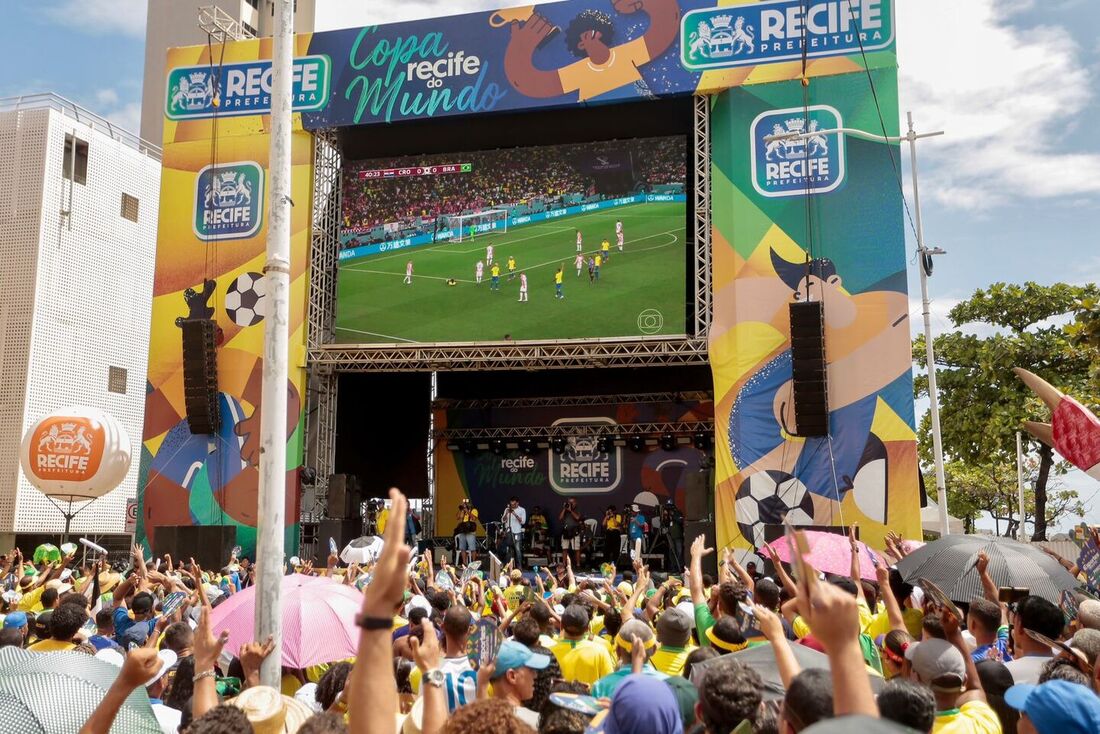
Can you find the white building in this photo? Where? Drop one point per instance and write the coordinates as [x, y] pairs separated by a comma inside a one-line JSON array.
[[77, 243]]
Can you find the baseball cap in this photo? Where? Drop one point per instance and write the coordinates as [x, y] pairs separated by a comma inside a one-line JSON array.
[[642, 704], [418, 602], [15, 619], [514, 655], [635, 628], [673, 627], [574, 619], [1057, 707], [934, 659]]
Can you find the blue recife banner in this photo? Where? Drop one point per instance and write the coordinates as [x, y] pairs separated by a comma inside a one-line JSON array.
[[353, 253], [582, 52]]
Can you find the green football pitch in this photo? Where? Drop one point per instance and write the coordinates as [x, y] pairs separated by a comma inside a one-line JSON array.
[[641, 291]]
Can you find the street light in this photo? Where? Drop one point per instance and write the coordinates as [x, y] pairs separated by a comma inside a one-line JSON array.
[[924, 255]]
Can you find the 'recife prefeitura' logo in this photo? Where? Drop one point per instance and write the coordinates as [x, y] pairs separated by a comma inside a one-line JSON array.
[[582, 468], [243, 88], [229, 201], [794, 166], [776, 30]]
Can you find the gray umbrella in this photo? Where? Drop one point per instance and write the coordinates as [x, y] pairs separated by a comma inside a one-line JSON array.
[[949, 563], [761, 659], [56, 692]]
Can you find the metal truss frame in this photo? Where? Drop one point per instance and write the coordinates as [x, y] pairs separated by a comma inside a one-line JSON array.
[[574, 400], [701, 191], [566, 430]]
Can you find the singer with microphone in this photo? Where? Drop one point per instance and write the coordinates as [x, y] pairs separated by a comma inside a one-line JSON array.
[[513, 520]]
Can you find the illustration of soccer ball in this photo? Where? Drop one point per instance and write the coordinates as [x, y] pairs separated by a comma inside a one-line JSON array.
[[246, 299], [766, 498]]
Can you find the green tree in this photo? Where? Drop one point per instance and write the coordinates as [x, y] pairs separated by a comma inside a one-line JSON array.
[[983, 403]]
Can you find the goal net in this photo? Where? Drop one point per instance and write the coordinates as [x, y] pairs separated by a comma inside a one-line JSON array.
[[466, 226]]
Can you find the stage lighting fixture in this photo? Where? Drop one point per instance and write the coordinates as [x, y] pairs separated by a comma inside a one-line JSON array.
[[307, 475], [668, 442], [702, 440], [497, 446], [637, 443], [469, 448], [527, 446], [604, 445], [557, 445]]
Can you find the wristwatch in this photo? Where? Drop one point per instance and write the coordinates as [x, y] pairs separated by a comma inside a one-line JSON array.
[[434, 678]]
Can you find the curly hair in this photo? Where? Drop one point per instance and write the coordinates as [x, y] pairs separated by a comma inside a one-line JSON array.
[[331, 683], [729, 693], [589, 20], [323, 724], [563, 721], [487, 716], [223, 719]]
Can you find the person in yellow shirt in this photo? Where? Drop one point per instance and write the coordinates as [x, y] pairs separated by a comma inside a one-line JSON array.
[[557, 282], [612, 524], [580, 658], [961, 706], [674, 642], [65, 622], [599, 262], [511, 268], [383, 517], [516, 592], [494, 277], [605, 250], [602, 67]]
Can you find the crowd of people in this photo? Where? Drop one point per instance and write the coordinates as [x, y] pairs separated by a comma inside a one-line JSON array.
[[542, 176], [454, 649]]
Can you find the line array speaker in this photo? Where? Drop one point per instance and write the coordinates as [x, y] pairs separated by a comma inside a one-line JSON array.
[[343, 496], [811, 393], [200, 375]]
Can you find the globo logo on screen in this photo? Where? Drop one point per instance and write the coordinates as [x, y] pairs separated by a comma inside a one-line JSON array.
[[582, 468], [791, 153]]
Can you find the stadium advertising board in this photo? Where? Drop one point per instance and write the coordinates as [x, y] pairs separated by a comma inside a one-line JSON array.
[[548, 242], [618, 476], [556, 54], [867, 470]]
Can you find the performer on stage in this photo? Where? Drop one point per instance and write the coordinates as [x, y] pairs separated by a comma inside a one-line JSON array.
[[513, 520], [466, 533], [571, 521], [612, 534]]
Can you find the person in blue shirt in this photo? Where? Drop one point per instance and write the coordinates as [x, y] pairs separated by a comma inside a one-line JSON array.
[[639, 526]]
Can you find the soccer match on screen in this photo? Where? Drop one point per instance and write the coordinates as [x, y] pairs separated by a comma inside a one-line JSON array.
[[549, 242]]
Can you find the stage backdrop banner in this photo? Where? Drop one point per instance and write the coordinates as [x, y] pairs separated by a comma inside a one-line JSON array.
[[595, 479], [851, 226], [552, 55], [213, 227]]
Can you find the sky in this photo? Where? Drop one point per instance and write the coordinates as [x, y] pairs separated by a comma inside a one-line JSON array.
[[1011, 191]]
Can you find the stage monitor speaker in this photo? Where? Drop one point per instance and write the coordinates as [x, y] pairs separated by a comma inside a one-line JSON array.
[[343, 496], [343, 531], [696, 496], [200, 375], [209, 545], [811, 394], [692, 530]]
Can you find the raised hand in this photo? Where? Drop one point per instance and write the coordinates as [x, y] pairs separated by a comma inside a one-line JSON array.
[[768, 623], [699, 548], [385, 591], [252, 655], [426, 653], [140, 665]]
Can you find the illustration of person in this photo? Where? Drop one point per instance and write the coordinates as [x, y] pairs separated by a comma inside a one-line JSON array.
[[603, 67]]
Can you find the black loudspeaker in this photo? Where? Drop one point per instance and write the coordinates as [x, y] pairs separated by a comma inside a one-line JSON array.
[[343, 496], [696, 496], [209, 545], [811, 394], [692, 530], [342, 531], [200, 375]]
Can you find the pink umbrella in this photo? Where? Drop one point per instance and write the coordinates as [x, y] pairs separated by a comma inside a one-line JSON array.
[[830, 553], [318, 620]]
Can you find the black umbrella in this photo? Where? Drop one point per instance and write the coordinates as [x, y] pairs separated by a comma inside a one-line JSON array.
[[949, 564], [761, 659]]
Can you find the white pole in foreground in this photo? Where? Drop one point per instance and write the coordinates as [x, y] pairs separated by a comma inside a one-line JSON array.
[[271, 521], [929, 354], [1020, 535]]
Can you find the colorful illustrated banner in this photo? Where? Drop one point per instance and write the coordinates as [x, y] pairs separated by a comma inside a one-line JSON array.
[[210, 257], [557, 54], [546, 479], [765, 229]]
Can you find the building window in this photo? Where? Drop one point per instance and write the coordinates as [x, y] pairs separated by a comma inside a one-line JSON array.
[[254, 3], [75, 170], [116, 380], [255, 33], [130, 207]]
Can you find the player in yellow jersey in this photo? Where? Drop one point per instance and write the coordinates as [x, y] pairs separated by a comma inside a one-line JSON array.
[[494, 281], [605, 250], [599, 262], [557, 283], [511, 268]]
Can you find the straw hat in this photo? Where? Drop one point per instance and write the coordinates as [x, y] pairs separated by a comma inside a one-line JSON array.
[[270, 712], [108, 580]]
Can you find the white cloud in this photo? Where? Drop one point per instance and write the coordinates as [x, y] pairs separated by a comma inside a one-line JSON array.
[[106, 97], [128, 117], [100, 16], [1006, 97]]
